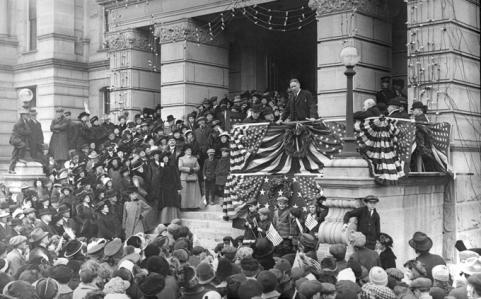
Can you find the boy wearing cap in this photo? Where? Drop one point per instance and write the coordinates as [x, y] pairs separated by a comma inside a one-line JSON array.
[[368, 220], [208, 172], [264, 221], [251, 224], [283, 221], [221, 172]]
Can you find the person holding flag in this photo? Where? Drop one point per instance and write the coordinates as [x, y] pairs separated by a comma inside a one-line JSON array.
[[251, 224]]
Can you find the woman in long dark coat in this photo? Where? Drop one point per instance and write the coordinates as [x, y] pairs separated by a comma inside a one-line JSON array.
[[58, 147], [170, 191], [152, 179]]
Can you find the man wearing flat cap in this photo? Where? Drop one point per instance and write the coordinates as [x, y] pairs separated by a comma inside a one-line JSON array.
[[368, 221], [17, 256]]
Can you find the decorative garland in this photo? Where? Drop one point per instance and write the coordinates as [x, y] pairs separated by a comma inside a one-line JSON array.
[[295, 137]]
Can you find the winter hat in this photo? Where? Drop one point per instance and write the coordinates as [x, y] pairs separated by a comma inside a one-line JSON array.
[[181, 255], [151, 250], [441, 273], [437, 293], [308, 241], [421, 283], [346, 274], [232, 285], [20, 289], [244, 252], [395, 273], [309, 288], [152, 285], [347, 289], [377, 291], [249, 289], [116, 285], [47, 288], [283, 265], [61, 273], [267, 280], [297, 273], [158, 264], [205, 273], [378, 276], [250, 266], [338, 251]]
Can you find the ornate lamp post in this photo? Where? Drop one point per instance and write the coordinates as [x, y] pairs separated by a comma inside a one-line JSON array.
[[349, 58]]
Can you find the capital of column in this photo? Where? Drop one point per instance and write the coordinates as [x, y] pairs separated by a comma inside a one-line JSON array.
[[128, 39], [375, 8], [184, 30]]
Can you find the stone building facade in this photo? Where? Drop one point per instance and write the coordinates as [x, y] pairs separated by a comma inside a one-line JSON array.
[[116, 56]]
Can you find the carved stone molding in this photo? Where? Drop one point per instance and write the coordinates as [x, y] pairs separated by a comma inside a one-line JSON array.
[[184, 30], [131, 39], [376, 8]]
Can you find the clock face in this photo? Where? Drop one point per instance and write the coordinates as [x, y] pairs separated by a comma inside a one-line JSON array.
[[25, 95]]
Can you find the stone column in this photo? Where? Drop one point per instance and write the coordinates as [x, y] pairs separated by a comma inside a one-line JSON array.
[[133, 81], [4, 17], [193, 66], [363, 23], [443, 72]]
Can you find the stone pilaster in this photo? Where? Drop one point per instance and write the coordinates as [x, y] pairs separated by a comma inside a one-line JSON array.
[[364, 24], [8, 102], [443, 72], [134, 82], [193, 66]]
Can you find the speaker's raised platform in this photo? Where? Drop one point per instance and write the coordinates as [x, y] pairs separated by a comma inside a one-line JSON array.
[[208, 226]]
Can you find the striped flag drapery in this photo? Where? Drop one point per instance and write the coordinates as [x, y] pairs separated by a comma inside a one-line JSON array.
[[284, 148], [239, 188], [386, 144], [432, 141]]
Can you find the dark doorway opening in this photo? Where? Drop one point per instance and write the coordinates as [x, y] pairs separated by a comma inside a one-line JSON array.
[[266, 60]]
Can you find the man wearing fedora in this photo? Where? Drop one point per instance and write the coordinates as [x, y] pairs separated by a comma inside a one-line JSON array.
[[5, 229], [16, 257], [368, 220], [36, 139], [394, 109], [422, 244], [45, 220]]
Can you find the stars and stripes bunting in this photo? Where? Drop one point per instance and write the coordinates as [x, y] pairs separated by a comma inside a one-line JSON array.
[[386, 144], [264, 148]]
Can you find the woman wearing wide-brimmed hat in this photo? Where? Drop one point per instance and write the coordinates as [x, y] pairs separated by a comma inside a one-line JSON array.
[[189, 167], [422, 244]]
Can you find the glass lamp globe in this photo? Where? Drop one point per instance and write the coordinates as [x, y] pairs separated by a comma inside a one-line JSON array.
[[349, 56]]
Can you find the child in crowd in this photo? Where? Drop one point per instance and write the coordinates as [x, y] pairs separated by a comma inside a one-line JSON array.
[[252, 222], [264, 221], [221, 172], [208, 172], [134, 211]]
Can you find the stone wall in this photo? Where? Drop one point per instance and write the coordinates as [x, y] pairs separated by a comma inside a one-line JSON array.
[[416, 204]]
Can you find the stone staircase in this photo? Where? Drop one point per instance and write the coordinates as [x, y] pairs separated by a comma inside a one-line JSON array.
[[208, 226]]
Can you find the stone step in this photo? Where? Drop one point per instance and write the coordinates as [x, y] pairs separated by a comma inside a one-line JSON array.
[[209, 232]]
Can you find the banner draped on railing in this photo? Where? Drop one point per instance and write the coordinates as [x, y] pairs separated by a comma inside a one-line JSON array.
[[388, 143], [281, 149]]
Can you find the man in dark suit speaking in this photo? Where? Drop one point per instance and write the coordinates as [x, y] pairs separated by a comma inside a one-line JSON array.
[[301, 105]]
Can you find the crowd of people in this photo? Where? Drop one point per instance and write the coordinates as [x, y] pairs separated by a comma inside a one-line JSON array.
[[104, 222]]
